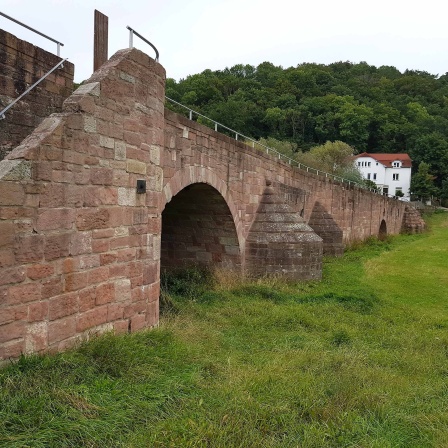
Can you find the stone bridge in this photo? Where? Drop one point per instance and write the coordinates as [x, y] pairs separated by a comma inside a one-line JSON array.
[[101, 197]]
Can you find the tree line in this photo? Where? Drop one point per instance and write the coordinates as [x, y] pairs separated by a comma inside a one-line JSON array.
[[371, 109]]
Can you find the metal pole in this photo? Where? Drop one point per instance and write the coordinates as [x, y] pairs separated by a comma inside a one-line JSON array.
[[144, 40], [131, 44]]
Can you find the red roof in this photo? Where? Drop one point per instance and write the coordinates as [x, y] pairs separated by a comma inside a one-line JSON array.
[[387, 159]]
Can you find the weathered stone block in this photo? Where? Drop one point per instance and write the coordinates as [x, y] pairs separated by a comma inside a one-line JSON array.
[[89, 219], [62, 306], [92, 318], [61, 329]]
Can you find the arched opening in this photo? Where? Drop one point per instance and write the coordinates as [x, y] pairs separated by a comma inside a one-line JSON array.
[[383, 230], [198, 230]]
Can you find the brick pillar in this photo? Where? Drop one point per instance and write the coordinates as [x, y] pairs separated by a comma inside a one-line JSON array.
[[412, 221]]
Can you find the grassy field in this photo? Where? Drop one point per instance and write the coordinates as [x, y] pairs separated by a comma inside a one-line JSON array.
[[357, 360]]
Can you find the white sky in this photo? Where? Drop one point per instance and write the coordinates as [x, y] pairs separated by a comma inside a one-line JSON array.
[[193, 35]]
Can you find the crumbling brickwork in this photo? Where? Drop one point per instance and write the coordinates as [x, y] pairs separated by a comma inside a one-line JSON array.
[[21, 65]]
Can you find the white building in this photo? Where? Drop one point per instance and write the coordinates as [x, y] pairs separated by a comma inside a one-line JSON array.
[[391, 172]]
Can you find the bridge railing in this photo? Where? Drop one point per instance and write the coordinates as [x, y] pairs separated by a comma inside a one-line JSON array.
[[131, 41], [59, 64], [3, 111], [241, 137], [59, 44]]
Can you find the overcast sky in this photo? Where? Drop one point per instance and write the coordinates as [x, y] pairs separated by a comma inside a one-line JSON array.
[[193, 35]]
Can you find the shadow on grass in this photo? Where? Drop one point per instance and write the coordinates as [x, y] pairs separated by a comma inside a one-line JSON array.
[[362, 303], [200, 285]]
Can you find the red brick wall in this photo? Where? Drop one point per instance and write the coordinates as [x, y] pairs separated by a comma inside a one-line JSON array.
[[80, 249], [21, 65]]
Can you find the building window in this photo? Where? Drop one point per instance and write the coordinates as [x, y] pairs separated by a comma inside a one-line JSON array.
[[359, 163], [396, 164], [395, 176], [369, 163], [374, 176], [368, 176], [376, 163]]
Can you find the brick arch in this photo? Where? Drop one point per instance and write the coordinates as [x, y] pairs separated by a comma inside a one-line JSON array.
[[195, 175]]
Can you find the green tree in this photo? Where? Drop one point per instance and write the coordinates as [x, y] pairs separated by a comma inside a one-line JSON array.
[[371, 184], [432, 149], [286, 148], [332, 157], [422, 183], [336, 117], [372, 109], [444, 192]]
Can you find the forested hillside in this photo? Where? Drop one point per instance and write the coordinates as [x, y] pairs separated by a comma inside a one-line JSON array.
[[372, 109]]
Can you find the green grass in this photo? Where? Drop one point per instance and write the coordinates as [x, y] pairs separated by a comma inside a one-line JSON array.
[[359, 359]]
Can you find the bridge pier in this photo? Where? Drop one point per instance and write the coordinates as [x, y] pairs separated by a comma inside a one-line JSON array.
[[281, 243]]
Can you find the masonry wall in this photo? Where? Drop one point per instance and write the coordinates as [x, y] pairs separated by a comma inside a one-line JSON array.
[[21, 65], [80, 248]]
